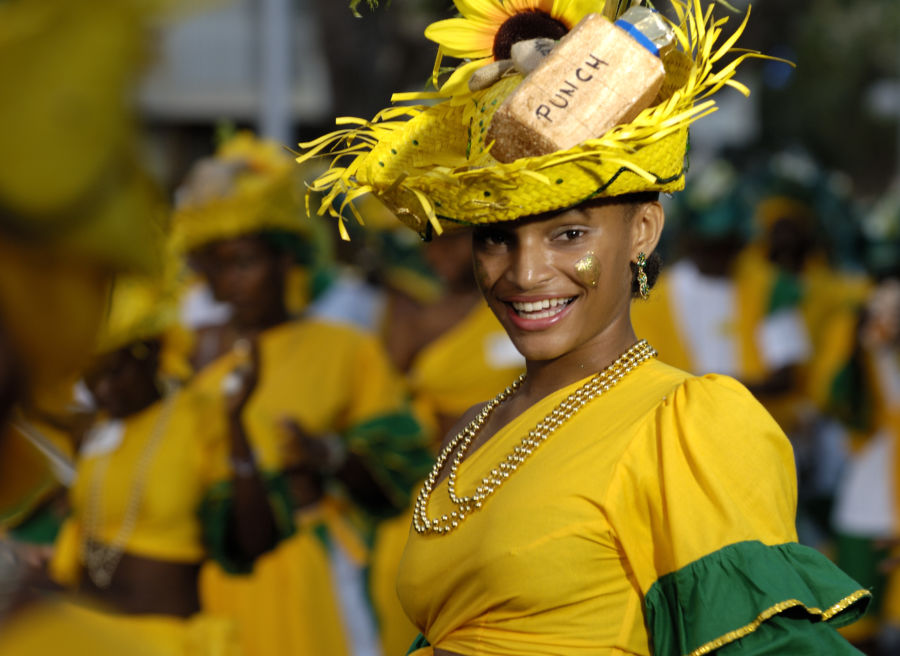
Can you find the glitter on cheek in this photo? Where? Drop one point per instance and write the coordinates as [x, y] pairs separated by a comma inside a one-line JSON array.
[[588, 270]]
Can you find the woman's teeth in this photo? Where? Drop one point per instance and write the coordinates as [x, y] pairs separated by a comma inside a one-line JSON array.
[[541, 309]]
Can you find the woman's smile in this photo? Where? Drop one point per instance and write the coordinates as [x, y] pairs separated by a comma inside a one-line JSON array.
[[538, 313]]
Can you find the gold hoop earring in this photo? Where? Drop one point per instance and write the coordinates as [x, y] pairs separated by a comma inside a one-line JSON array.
[[643, 286]]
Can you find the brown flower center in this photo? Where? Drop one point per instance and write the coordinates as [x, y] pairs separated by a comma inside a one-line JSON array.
[[532, 24]]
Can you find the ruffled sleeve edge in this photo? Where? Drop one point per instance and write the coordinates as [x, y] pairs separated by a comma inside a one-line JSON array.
[[677, 604], [822, 615]]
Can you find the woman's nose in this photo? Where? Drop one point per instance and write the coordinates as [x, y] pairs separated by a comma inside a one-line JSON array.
[[530, 264]]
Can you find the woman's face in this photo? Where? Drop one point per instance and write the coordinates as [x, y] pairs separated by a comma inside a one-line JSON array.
[[248, 274], [123, 382], [557, 283]]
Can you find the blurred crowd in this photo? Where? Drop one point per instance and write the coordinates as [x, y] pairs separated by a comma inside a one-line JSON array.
[[214, 412]]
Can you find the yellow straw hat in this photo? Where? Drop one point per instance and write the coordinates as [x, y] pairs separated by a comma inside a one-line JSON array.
[[250, 185], [432, 167], [144, 307]]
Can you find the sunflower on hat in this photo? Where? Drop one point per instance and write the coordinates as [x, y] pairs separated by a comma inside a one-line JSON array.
[[487, 29], [433, 167]]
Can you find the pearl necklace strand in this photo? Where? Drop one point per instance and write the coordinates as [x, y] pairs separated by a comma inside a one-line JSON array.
[[567, 408], [101, 560]]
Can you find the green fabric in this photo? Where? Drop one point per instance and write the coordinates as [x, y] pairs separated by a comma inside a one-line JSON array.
[[729, 589], [418, 643], [395, 451], [41, 527], [850, 396], [787, 292], [860, 557], [216, 512]]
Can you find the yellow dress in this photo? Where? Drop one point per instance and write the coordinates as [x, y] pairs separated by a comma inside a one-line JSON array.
[[183, 452], [661, 514], [332, 380], [471, 362]]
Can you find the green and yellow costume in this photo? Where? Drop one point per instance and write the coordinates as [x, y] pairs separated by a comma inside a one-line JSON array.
[[659, 519], [332, 380]]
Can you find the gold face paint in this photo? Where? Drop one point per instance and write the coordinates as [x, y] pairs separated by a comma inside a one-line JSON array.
[[588, 270]]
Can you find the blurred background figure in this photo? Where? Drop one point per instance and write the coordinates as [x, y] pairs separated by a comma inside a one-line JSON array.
[[858, 384], [76, 207], [329, 424], [147, 505]]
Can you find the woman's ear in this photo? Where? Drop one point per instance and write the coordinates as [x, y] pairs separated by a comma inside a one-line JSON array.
[[646, 227]]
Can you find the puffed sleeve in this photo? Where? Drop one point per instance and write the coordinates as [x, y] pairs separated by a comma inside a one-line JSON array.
[[702, 504]]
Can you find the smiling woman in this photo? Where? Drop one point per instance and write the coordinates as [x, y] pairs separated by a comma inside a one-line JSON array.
[[604, 503], [561, 284]]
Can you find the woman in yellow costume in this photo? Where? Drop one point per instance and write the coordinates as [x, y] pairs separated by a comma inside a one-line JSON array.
[[604, 503], [147, 503], [67, 222], [75, 208], [329, 413]]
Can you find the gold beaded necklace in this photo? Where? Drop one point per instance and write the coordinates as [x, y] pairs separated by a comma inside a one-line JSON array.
[[100, 559], [567, 408]]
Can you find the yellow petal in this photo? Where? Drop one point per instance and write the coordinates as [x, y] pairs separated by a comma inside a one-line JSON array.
[[518, 6], [572, 11], [463, 37], [458, 83], [485, 10]]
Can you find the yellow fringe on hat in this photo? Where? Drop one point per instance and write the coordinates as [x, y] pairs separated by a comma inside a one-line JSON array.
[[431, 166]]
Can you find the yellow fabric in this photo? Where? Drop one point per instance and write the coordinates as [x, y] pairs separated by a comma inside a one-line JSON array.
[[396, 630], [326, 377], [140, 307], [455, 371], [72, 176], [191, 456], [248, 186], [287, 606], [66, 628], [26, 478], [660, 471], [40, 291]]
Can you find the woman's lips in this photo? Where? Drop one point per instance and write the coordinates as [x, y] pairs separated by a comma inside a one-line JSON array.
[[538, 314]]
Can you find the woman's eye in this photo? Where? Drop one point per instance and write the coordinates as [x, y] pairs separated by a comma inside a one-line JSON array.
[[491, 238], [572, 233]]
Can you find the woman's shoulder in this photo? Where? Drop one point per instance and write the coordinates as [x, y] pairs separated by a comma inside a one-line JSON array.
[[681, 392], [713, 418]]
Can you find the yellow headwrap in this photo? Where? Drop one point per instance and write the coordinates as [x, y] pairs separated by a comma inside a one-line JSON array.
[[250, 185], [432, 167]]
